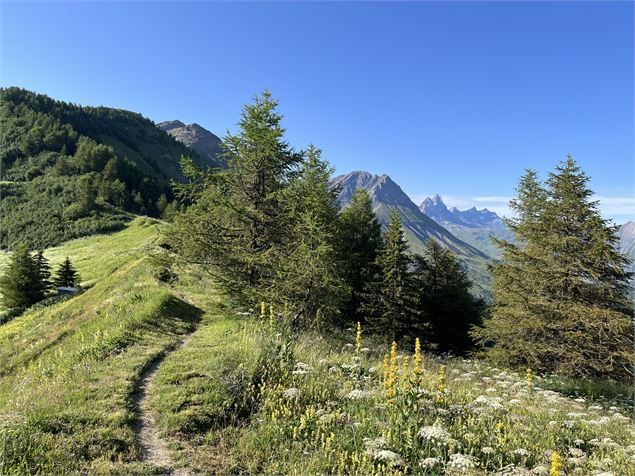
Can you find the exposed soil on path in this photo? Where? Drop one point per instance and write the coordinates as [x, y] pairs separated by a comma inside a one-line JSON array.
[[155, 451]]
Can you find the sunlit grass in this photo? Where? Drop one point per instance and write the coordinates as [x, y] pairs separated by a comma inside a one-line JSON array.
[[332, 412]]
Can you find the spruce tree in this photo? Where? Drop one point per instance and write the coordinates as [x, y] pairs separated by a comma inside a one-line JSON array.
[[389, 298], [446, 310], [560, 296], [66, 275], [308, 278], [236, 225], [21, 285], [358, 242], [44, 271]]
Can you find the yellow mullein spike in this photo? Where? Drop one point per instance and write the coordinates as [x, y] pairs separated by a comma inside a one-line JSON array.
[[556, 464], [442, 378], [529, 378], [358, 338], [386, 368], [418, 363], [406, 368], [262, 310]]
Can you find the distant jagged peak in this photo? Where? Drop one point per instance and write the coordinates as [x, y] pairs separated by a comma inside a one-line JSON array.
[[436, 209]]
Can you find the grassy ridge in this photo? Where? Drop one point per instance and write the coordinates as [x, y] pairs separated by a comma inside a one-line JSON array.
[[67, 371], [97, 257]]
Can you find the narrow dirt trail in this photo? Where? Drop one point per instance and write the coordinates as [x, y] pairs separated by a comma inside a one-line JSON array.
[[155, 451]]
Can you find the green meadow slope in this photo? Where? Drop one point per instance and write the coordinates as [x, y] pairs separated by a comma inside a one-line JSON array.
[[68, 371]]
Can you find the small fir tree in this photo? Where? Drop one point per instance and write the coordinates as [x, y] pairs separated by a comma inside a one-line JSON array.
[[446, 310], [66, 275]]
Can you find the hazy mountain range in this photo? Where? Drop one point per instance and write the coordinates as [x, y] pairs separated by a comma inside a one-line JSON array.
[[473, 226]]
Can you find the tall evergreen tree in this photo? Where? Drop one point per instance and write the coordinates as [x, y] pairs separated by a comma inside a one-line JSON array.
[[236, 225], [446, 309], [66, 275], [560, 296], [358, 242], [21, 284], [308, 276], [389, 298], [44, 271]]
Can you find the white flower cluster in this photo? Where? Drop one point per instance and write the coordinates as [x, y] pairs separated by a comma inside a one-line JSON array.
[[389, 457], [461, 461], [358, 394], [291, 393], [434, 434], [429, 463]]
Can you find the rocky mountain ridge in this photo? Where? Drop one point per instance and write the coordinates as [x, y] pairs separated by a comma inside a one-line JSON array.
[[473, 226], [196, 137], [386, 196]]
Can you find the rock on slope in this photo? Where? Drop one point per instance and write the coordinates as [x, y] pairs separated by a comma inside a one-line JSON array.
[[197, 138]]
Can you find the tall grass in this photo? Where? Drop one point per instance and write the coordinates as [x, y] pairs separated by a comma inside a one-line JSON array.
[[338, 411]]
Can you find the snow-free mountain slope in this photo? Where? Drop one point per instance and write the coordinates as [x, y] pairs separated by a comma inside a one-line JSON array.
[[386, 195], [473, 226]]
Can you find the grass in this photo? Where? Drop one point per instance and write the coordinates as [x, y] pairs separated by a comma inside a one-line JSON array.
[[244, 397], [328, 413], [98, 256], [67, 371]]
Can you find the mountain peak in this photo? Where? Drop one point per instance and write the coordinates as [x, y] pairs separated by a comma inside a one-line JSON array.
[[197, 138], [169, 125]]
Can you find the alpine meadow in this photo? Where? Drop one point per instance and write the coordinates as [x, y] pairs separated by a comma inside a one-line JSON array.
[[177, 302]]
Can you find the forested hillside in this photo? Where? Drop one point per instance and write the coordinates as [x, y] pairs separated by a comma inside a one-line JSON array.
[[69, 171]]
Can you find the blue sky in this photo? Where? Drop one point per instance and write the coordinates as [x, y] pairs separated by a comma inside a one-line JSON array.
[[448, 97]]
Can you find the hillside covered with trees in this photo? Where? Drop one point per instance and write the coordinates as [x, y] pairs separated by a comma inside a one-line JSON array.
[[70, 171]]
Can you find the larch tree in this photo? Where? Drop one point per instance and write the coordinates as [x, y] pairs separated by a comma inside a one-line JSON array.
[[308, 279], [235, 225]]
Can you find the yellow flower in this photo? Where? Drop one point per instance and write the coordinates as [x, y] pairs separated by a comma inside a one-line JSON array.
[[556, 465], [529, 378], [406, 369], [262, 310], [500, 432], [358, 338], [442, 379], [393, 368], [386, 369], [418, 361]]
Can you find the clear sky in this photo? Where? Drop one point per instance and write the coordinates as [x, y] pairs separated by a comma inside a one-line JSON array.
[[448, 97]]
